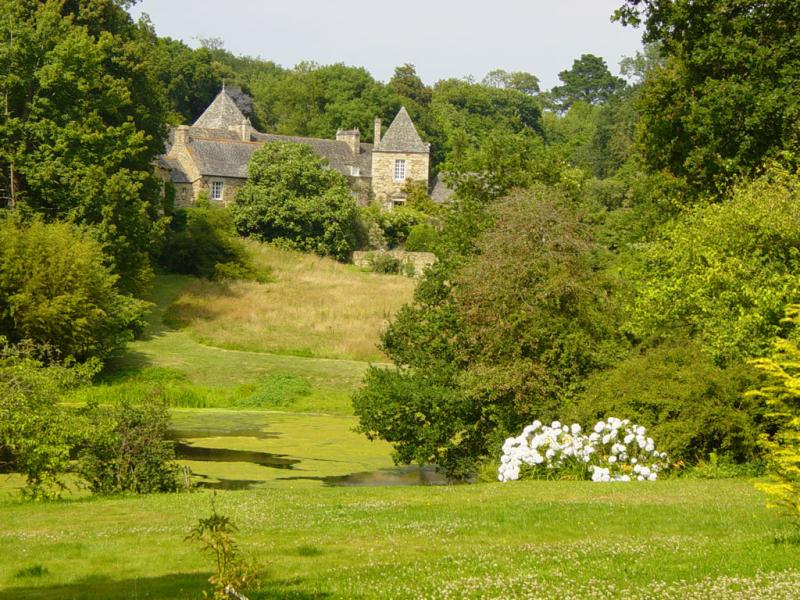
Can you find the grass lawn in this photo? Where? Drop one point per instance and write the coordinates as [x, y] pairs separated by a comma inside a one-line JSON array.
[[190, 373], [231, 355], [314, 307], [668, 539]]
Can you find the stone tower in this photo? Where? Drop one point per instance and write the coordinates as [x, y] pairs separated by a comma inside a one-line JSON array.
[[398, 157]]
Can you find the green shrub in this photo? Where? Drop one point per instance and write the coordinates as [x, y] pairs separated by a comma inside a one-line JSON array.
[[37, 433], [503, 339], [693, 407], [56, 290], [234, 573], [128, 450], [421, 238], [203, 243], [725, 272], [291, 197], [782, 395], [385, 263], [395, 224]]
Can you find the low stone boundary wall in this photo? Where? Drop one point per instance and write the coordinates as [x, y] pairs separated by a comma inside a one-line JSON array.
[[420, 260]]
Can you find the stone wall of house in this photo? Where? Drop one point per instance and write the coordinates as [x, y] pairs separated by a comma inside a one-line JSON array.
[[229, 187], [184, 195], [420, 260], [384, 187]]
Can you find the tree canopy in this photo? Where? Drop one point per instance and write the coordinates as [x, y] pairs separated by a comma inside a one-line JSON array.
[[589, 80], [292, 197], [84, 119]]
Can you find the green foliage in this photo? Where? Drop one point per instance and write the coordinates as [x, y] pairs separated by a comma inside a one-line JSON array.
[[84, 119], [189, 77], [394, 225], [691, 406], [782, 395], [128, 450], [422, 238], [56, 290], [292, 198], [520, 81], [589, 80], [203, 242], [313, 100], [36, 432], [723, 102], [488, 346], [216, 536], [722, 274]]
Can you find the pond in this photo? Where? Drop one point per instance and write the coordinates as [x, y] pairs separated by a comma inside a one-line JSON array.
[[235, 450]]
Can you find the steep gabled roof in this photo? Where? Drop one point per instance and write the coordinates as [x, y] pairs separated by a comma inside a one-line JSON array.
[[222, 113], [402, 136]]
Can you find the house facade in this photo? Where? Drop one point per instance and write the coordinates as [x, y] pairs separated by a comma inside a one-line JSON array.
[[213, 154]]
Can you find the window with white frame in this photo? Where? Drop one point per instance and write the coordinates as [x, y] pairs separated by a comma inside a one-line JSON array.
[[400, 170], [398, 202], [216, 190], [355, 171]]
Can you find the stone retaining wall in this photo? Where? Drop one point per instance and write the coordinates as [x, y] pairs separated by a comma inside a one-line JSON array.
[[420, 260]]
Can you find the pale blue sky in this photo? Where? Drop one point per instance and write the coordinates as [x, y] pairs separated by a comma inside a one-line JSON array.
[[443, 38]]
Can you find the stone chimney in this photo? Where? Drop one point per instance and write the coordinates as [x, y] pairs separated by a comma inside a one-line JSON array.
[[377, 130], [352, 137], [181, 135], [246, 130]]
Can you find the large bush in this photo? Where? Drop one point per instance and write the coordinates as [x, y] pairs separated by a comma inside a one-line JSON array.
[[128, 450], [782, 396], [692, 406], [488, 347], [56, 290], [37, 434], [721, 274], [293, 198], [203, 242]]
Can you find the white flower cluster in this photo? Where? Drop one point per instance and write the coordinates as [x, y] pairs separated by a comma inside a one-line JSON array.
[[616, 450]]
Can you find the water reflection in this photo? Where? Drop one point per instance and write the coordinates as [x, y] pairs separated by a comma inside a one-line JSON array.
[[184, 451], [411, 475]]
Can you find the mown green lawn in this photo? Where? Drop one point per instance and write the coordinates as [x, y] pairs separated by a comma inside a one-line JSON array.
[[668, 539]]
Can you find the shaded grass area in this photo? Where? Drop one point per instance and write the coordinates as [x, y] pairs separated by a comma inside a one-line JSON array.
[[314, 307], [678, 539]]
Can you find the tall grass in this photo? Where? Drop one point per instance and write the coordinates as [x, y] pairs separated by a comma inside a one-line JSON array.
[[273, 391], [314, 307]]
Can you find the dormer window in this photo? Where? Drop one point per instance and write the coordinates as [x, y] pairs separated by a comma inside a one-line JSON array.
[[355, 171], [216, 190], [400, 170]]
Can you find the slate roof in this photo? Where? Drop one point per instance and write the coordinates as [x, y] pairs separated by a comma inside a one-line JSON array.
[[402, 136], [222, 113], [440, 191], [338, 154], [176, 172], [229, 158], [222, 158]]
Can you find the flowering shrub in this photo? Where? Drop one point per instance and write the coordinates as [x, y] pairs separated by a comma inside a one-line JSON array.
[[615, 450]]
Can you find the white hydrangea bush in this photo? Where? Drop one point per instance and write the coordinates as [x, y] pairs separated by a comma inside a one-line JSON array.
[[615, 450]]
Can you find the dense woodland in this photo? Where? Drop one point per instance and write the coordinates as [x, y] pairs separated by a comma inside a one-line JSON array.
[[620, 245]]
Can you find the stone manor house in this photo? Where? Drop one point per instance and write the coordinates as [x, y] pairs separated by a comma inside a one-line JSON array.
[[212, 155]]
